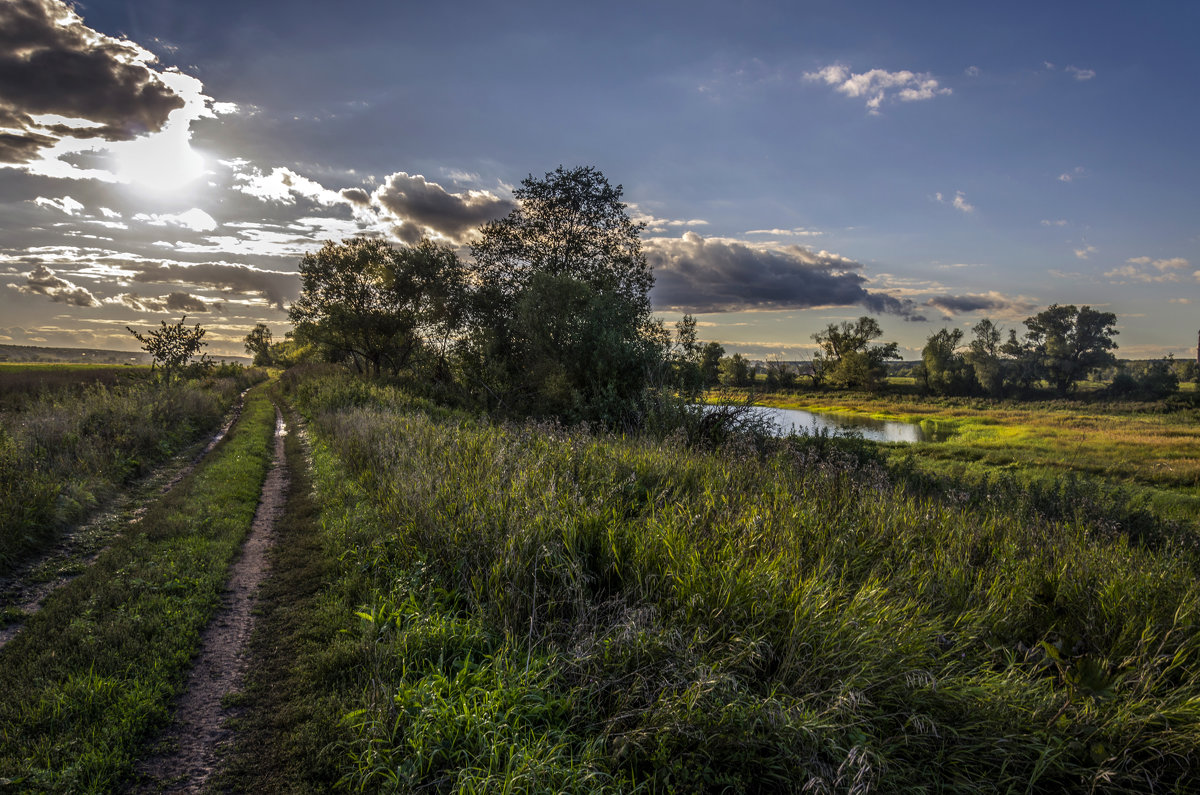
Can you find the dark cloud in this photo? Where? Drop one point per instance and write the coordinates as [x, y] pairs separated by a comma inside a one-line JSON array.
[[172, 302], [428, 206], [51, 63], [274, 286], [995, 302], [695, 274], [356, 196], [43, 281]]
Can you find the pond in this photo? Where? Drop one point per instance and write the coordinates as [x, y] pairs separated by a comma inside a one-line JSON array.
[[836, 424]]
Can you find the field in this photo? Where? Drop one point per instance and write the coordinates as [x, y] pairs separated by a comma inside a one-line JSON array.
[[1142, 449], [459, 605]]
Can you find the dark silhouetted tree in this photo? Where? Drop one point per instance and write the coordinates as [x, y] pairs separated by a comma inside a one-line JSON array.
[[258, 344], [559, 320], [173, 347], [944, 368]]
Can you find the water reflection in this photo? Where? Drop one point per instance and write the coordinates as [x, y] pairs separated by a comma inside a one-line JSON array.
[[807, 422]]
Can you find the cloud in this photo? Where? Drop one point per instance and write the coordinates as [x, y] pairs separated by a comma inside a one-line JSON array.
[[1058, 222], [273, 286], [959, 202], [171, 302], [697, 274], [798, 231], [1085, 252], [65, 205], [978, 302], [43, 281], [878, 85], [1149, 271], [282, 186], [1081, 74], [1072, 175], [82, 83], [421, 207], [195, 219]]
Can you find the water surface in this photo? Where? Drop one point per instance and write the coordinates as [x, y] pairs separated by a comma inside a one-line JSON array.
[[802, 422]]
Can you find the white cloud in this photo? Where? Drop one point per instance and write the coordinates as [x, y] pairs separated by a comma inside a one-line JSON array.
[[971, 71], [878, 85], [798, 231], [281, 186], [195, 219], [1081, 74], [1059, 222], [1149, 271], [959, 202], [65, 205], [1085, 252], [1070, 176]]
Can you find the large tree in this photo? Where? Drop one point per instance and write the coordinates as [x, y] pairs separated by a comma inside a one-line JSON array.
[[377, 305], [1065, 343], [560, 318], [848, 358]]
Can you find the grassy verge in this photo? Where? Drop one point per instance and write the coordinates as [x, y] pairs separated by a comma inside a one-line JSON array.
[[91, 678], [525, 608], [70, 450]]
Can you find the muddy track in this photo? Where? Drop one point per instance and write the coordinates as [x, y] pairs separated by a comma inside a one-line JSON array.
[[27, 588], [197, 737]]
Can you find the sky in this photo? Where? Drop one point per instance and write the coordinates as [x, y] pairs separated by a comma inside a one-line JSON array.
[[795, 163]]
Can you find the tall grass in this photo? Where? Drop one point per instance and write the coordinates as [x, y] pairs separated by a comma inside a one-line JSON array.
[[530, 607], [66, 450]]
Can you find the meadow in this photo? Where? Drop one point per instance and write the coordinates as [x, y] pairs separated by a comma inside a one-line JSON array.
[[1148, 453], [509, 607]]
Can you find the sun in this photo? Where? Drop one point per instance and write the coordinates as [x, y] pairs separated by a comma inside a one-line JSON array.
[[161, 163]]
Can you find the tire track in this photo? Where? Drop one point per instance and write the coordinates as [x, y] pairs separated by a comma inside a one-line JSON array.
[[197, 736], [27, 588]]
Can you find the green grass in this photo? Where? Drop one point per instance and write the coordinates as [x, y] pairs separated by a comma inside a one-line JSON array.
[[89, 681], [66, 451], [525, 607], [1144, 449]]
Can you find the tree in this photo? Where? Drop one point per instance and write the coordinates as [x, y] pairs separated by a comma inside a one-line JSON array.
[[985, 357], [780, 374], [710, 363], [258, 345], [944, 367], [1066, 343], [559, 320], [172, 347], [735, 371], [364, 300], [846, 356]]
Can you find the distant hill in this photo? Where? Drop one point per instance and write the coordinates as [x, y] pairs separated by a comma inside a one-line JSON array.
[[36, 353]]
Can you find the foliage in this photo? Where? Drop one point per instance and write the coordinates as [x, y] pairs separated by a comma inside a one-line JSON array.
[[559, 322], [599, 613], [173, 347], [92, 676], [1155, 381], [378, 306], [736, 371], [258, 345], [1065, 343], [65, 452], [846, 356], [944, 368]]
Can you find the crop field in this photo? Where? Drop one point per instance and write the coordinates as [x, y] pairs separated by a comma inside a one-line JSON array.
[[455, 604]]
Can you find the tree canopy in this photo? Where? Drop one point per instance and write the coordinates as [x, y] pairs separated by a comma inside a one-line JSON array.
[[559, 319], [846, 356], [379, 306]]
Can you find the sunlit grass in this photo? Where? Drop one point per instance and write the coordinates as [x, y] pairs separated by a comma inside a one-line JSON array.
[[526, 603]]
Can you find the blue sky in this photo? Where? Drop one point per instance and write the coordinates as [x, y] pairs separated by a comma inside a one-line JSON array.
[[795, 163]]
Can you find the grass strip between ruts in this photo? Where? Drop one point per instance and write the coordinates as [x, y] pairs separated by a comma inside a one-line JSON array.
[[88, 683]]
